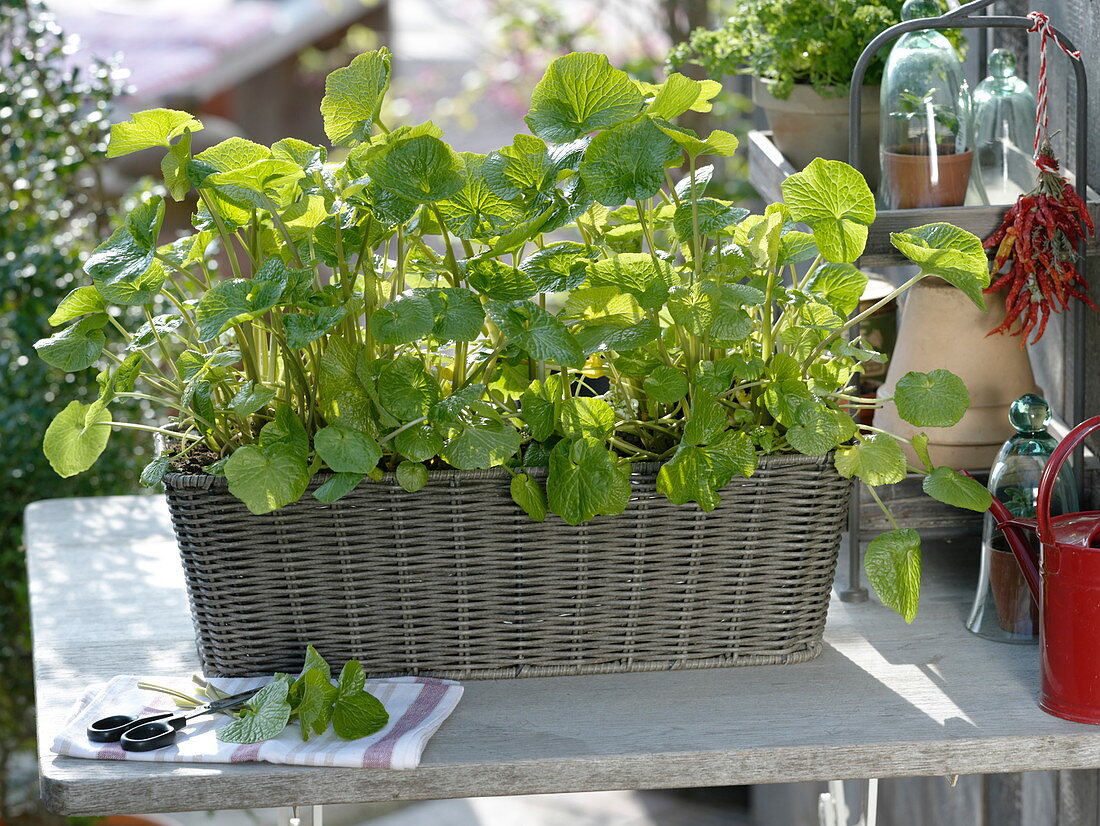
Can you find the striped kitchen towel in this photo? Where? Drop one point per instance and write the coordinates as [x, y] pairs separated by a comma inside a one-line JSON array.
[[417, 707]]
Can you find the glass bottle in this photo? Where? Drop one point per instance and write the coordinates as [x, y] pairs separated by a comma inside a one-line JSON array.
[[926, 141], [1003, 608], [1004, 127]]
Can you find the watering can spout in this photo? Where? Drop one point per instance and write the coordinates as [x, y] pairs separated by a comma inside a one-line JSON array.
[[1021, 548]]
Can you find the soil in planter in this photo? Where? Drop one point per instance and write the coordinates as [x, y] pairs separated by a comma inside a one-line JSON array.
[[196, 459], [907, 177]]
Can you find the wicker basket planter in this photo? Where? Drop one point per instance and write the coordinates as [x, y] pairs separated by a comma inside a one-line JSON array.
[[456, 581]]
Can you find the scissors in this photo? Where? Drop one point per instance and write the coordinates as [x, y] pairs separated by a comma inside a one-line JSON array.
[[158, 730]]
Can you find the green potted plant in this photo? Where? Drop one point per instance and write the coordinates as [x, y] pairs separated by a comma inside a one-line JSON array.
[[926, 131], [801, 56], [383, 425]]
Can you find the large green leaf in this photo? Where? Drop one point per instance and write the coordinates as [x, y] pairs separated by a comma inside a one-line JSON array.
[[558, 267], [537, 332], [697, 473], [498, 280], [709, 214], [935, 399], [265, 716], [315, 707], [481, 444], [76, 437], [580, 93], [584, 416], [356, 715], [476, 211], [665, 385], [459, 315], [818, 430], [406, 389], [952, 488], [347, 451], [627, 162], [267, 478], [269, 184], [784, 400], [81, 301], [877, 459], [77, 347], [419, 443], [717, 142], [584, 481], [678, 94], [240, 299], [523, 169], [528, 494], [893, 564], [955, 255], [834, 200], [839, 285], [152, 127], [123, 267], [642, 276], [302, 329], [409, 317], [421, 169], [687, 477], [342, 383], [337, 487], [353, 96]]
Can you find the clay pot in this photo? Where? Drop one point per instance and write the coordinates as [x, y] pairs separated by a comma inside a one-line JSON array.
[[807, 126], [1016, 610], [138, 820], [908, 178], [941, 328]]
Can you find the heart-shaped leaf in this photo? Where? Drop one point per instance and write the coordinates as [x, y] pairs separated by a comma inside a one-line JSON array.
[[151, 127], [955, 255], [76, 437], [893, 565], [834, 200], [347, 451], [627, 162], [935, 399], [412, 476], [265, 715], [578, 94], [952, 488], [267, 478], [353, 96], [877, 459]]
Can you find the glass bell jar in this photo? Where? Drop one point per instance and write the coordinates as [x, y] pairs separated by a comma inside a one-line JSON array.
[[926, 135], [1003, 608], [1004, 129]]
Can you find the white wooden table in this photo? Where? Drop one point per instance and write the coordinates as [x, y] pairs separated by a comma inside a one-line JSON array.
[[883, 700]]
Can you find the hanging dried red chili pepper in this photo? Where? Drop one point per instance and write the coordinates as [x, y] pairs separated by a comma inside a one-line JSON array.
[[1038, 240], [1039, 236]]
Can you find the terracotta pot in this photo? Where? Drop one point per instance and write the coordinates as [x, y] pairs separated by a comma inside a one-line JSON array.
[[807, 126], [911, 181], [1016, 610], [941, 328], [138, 820]]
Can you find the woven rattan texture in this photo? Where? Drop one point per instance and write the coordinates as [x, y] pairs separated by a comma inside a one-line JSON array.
[[456, 581]]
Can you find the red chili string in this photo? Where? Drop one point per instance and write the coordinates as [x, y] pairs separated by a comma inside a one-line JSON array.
[[1041, 23]]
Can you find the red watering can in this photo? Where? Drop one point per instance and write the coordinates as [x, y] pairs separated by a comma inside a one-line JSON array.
[[1065, 582]]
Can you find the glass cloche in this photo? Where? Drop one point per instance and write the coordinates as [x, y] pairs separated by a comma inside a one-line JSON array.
[[1004, 129], [926, 135], [1003, 608]]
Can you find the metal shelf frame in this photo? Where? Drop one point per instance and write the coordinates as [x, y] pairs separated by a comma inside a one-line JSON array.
[[962, 18]]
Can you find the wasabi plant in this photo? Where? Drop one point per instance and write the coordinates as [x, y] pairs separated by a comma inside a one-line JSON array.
[[572, 301]]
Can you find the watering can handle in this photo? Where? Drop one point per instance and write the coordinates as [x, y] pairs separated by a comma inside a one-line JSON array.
[[1051, 471]]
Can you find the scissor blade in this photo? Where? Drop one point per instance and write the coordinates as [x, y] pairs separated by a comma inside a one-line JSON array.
[[231, 701]]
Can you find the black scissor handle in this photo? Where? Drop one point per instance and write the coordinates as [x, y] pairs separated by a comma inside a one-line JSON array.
[[111, 729], [152, 734]]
